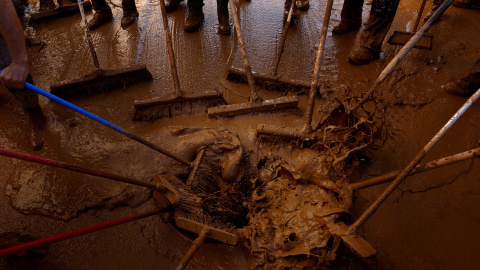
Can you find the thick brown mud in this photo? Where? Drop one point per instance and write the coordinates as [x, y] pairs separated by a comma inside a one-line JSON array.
[[294, 189]]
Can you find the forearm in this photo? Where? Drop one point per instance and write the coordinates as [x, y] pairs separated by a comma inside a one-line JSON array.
[[12, 32]]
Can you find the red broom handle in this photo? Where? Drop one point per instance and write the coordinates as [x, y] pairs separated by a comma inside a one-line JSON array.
[[63, 165], [64, 236]]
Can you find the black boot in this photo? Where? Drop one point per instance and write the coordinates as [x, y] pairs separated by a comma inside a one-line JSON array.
[[194, 16], [171, 5], [223, 22], [130, 13], [101, 17]]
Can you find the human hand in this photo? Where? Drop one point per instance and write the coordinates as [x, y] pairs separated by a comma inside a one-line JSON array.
[[15, 75]]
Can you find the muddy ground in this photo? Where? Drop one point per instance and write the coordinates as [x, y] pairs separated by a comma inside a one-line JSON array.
[[431, 222]]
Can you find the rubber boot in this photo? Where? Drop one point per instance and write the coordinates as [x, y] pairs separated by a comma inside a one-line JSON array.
[[222, 13], [344, 27], [130, 13], [194, 16], [362, 55], [303, 5], [103, 14], [171, 5], [467, 85]]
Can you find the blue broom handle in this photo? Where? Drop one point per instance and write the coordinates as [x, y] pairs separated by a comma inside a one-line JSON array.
[[105, 123]]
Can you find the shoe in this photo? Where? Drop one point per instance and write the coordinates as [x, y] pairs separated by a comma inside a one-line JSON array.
[[363, 55], [100, 18], [474, 4], [463, 88], [344, 27], [193, 19], [171, 5], [223, 22], [129, 18], [303, 5]]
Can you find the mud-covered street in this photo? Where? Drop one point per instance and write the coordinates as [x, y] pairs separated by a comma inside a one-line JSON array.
[[277, 196]]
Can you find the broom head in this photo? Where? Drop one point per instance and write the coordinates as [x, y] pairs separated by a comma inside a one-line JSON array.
[[59, 11], [401, 38], [251, 107], [101, 81], [176, 106]]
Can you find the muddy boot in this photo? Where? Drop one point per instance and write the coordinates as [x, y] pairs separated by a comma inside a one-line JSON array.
[[193, 18], [363, 55], [344, 27], [222, 13], [38, 120], [286, 10], [130, 13], [171, 5], [464, 87], [101, 17], [303, 5], [474, 4]]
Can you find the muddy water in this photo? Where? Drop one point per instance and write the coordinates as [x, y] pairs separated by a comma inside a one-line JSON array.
[[433, 221]]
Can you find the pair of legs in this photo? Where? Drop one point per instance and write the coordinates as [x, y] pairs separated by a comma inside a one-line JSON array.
[[381, 17], [194, 16], [103, 13], [29, 100]]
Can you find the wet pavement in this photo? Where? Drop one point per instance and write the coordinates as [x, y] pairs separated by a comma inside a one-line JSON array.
[[431, 222]]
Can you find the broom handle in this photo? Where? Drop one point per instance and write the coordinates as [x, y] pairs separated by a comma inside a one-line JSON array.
[[416, 160], [282, 39], [171, 56], [89, 37], [475, 153], [64, 236], [70, 167], [403, 52], [193, 249], [107, 124], [419, 15], [248, 70], [307, 128]]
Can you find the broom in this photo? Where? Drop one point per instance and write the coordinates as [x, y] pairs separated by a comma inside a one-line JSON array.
[[306, 132], [179, 104], [100, 80], [272, 81], [256, 103], [201, 225], [59, 11]]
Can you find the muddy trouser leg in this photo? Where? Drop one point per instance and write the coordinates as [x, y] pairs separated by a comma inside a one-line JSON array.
[[195, 3], [379, 21], [352, 12], [100, 5], [129, 7]]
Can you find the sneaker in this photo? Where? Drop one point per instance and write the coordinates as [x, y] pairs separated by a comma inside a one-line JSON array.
[[303, 5], [100, 18], [193, 19], [171, 5], [129, 18], [363, 55], [344, 27], [474, 4], [462, 87]]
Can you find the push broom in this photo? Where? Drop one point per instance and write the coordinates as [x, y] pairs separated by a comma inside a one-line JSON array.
[[178, 104], [197, 167], [272, 81], [59, 11], [101, 80], [306, 132], [256, 103]]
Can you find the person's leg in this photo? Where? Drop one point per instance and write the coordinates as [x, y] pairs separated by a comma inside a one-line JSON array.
[[103, 14], [171, 5], [381, 17], [194, 16], [467, 85], [351, 17], [29, 100], [222, 13], [130, 13]]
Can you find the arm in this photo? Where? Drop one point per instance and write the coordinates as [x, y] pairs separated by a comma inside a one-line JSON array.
[[16, 73]]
